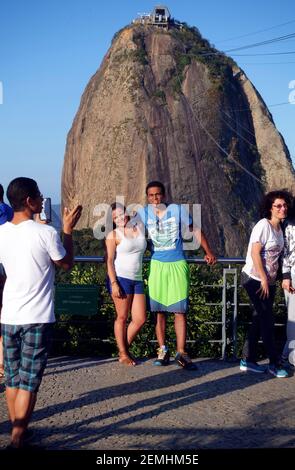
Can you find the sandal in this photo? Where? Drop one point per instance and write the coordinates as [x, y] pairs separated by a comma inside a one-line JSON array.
[[134, 359], [126, 360]]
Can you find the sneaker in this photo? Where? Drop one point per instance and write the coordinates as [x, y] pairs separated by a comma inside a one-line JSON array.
[[163, 358], [278, 372], [185, 361], [252, 366], [285, 363]]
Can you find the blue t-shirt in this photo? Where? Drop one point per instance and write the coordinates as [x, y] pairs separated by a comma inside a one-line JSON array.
[[165, 233], [6, 213]]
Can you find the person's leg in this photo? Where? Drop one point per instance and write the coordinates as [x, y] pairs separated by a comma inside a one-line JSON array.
[[182, 357], [122, 306], [21, 405], [161, 328], [138, 317], [11, 394], [31, 345], [263, 322], [12, 358], [290, 330], [1, 358], [180, 331], [267, 328], [250, 345], [1, 340], [36, 341], [163, 354]]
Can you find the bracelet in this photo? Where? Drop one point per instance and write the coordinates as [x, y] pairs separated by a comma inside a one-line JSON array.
[[114, 282]]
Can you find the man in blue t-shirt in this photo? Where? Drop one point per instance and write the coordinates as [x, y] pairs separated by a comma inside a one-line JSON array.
[[168, 281]]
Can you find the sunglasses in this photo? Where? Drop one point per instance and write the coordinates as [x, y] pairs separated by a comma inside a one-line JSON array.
[[280, 206]]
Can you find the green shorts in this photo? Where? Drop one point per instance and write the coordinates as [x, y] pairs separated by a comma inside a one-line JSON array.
[[168, 286]]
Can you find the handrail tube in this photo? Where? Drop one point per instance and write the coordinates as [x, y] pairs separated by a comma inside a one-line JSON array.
[[101, 259]]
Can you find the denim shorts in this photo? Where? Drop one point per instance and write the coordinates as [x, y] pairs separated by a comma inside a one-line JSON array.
[[127, 286], [26, 350]]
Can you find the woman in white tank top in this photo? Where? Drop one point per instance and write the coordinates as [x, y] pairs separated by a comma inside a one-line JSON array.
[[125, 247]]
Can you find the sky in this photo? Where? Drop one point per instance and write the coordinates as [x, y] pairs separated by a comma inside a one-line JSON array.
[[50, 49]]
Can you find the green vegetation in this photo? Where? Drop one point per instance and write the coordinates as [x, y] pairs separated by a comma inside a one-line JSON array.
[[140, 56], [219, 65], [140, 53], [120, 57], [192, 46], [182, 60], [160, 94]]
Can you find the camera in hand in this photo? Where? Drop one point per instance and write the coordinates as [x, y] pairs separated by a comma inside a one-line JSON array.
[[45, 214]]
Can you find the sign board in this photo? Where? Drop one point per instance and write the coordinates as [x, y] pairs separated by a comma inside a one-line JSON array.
[[76, 299]]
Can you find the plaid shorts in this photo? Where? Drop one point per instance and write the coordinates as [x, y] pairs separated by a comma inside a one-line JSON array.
[[26, 350]]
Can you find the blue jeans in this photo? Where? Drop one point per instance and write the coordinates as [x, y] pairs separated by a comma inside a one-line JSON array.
[[262, 321]]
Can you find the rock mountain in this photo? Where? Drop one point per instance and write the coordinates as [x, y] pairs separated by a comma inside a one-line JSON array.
[[166, 105]]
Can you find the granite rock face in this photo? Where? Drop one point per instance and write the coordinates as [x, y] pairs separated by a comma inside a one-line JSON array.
[[156, 110]]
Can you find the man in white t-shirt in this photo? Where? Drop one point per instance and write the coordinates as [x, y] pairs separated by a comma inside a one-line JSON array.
[[28, 252]]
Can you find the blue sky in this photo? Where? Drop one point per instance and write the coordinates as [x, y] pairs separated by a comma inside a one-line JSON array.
[[49, 50]]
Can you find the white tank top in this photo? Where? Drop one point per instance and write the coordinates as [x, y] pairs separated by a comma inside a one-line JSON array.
[[129, 254]]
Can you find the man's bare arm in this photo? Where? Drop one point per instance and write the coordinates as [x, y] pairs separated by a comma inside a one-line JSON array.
[[70, 219]]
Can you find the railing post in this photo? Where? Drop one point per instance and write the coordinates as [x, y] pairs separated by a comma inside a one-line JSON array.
[[235, 314], [223, 326], [226, 305]]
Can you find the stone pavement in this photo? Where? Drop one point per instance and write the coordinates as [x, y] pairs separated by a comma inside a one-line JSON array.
[[94, 403]]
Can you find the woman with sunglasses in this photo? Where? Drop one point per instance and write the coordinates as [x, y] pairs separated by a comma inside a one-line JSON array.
[[259, 279], [125, 246]]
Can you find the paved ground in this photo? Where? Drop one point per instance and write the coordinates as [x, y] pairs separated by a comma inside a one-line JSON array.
[[90, 403]]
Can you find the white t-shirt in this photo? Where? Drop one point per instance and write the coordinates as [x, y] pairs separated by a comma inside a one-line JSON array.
[[26, 251], [272, 242]]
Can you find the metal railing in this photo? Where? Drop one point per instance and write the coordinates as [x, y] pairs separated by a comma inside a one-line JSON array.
[[229, 298]]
